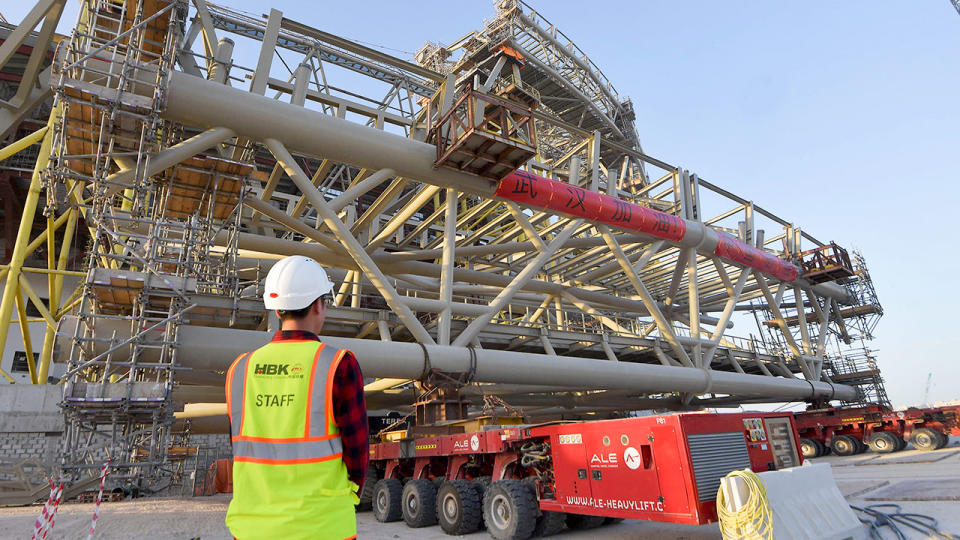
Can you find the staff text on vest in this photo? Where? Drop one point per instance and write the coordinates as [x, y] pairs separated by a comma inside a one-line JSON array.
[[274, 400]]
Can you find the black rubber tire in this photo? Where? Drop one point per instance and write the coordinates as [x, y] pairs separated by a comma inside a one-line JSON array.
[[481, 483], [925, 439], [580, 522], [366, 492], [882, 442], [944, 440], [419, 503], [844, 445], [548, 523], [809, 448], [861, 446], [386, 500], [822, 449], [901, 444], [509, 510], [459, 508], [612, 521], [438, 481]]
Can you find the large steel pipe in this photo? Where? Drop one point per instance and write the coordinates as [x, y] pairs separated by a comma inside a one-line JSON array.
[[196, 102], [208, 348]]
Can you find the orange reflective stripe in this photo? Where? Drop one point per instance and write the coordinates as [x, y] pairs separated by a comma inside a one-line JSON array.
[[233, 366], [313, 371], [234, 378], [267, 461], [329, 389]]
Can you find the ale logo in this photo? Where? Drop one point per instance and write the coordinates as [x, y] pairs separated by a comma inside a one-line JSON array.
[[474, 443], [632, 458]]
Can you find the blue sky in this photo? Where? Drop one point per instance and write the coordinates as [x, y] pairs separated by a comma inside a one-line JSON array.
[[840, 116]]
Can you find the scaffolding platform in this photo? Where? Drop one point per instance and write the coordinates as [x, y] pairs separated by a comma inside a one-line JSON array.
[[485, 135], [202, 179], [826, 263]]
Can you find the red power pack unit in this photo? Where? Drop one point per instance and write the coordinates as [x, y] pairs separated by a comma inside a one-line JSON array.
[[659, 468], [662, 468]]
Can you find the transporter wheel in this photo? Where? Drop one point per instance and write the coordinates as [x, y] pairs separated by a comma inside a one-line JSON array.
[[612, 521], [861, 446], [548, 523], [366, 493], [925, 439], [944, 440], [580, 522], [459, 509], [809, 448], [901, 444], [481, 483], [509, 510], [419, 503], [882, 442], [844, 445], [822, 449], [386, 500]]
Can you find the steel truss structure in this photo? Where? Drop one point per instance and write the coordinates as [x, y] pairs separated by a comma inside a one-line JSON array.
[[494, 224]]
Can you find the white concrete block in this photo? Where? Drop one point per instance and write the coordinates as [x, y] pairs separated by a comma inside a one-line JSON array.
[[807, 505]]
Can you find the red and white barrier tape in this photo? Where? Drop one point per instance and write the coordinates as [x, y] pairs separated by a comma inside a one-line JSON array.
[[44, 523], [56, 506], [96, 509]]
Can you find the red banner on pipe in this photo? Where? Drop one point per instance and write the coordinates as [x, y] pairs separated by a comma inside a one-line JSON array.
[[539, 192], [532, 190], [733, 249]]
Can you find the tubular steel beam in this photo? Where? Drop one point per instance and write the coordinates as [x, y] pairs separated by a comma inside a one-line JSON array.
[[216, 348]]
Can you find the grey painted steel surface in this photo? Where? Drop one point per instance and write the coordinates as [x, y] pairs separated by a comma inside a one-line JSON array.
[[216, 348]]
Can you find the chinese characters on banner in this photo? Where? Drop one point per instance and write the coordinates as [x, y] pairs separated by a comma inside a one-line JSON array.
[[532, 190]]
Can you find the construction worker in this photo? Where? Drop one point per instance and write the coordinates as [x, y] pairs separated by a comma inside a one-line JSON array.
[[298, 420]]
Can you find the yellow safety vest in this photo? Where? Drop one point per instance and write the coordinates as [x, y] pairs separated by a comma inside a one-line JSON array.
[[289, 480]]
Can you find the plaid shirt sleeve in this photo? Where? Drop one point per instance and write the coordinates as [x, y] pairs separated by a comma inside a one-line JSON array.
[[350, 414]]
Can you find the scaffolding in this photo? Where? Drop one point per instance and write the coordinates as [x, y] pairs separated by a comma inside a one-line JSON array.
[[163, 246]]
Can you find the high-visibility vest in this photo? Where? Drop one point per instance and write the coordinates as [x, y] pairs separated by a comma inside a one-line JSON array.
[[289, 480]]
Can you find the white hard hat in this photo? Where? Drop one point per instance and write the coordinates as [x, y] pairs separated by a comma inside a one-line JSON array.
[[294, 283]]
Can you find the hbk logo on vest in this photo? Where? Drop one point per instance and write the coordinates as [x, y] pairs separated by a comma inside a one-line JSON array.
[[289, 371], [271, 369]]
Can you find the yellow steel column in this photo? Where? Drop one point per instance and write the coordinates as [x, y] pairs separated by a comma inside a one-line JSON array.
[[23, 143], [25, 332], [47, 354], [11, 288]]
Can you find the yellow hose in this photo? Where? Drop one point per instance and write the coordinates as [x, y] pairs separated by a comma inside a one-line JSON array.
[[754, 520]]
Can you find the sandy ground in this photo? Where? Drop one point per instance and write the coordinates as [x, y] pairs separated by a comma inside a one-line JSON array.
[[925, 482]]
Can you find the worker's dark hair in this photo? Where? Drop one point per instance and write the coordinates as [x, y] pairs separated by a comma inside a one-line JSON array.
[[296, 314]]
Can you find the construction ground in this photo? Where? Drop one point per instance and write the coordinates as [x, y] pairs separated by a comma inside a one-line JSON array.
[[919, 482]]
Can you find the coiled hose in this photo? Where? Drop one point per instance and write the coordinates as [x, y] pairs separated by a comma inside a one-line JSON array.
[[754, 520], [885, 518]]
